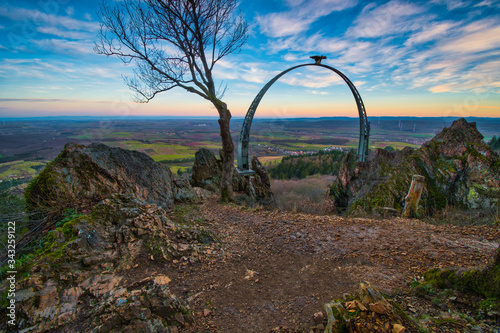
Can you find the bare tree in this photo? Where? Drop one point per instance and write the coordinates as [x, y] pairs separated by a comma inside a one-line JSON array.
[[176, 43]]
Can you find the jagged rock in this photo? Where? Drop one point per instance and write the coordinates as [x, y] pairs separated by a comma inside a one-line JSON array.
[[82, 176], [207, 170], [207, 174], [260, 181], [366, 311], [459, 168], [83, 280]]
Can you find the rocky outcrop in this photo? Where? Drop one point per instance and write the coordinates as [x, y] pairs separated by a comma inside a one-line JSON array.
[[366, 311], [207, 174], [460, 170], [259, 183], [92, 274], [82, 176], [207, 171]]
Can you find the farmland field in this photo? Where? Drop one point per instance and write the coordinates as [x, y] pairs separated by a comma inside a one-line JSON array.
[[28, 144]]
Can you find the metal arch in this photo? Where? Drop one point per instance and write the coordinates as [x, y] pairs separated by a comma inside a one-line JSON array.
[[364, 125]]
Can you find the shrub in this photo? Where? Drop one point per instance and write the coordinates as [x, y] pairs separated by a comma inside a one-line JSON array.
[[306, 195]]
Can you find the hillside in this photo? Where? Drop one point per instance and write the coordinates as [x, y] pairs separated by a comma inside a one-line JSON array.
[[225, 268]]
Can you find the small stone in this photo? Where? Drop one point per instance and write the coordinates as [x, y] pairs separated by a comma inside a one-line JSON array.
[[161, 279], [64, 318], [250, 274], [380, 307], [398, 328], [180, 318], [318, 317], [206, 313]]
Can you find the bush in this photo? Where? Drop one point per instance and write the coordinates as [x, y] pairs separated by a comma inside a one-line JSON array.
[[306, 195]]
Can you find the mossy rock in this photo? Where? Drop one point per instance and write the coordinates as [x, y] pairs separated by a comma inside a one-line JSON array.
[[485, 282], [82, 176], [459, 169]]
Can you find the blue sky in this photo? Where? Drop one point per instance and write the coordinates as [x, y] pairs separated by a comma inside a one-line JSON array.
[[421, 58]]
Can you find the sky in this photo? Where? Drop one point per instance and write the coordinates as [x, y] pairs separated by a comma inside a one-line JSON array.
[[436, 58]]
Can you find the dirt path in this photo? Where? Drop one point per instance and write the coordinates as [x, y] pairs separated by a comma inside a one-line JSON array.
[[271, 269]]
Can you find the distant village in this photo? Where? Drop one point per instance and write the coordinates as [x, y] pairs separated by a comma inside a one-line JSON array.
[[287, 152]]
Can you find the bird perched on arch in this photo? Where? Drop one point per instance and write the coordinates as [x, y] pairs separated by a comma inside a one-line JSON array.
[[318, 59]]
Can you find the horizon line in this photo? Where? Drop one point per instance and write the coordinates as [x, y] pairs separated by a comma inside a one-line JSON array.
[[148, 117]]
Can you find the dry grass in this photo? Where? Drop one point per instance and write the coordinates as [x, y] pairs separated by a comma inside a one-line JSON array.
[[461, 217], [306, 195]]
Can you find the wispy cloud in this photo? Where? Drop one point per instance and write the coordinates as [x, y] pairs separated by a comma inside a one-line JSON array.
[[59, 71], [388, 19], [39, 18], [441, 56], [63, 46], [454, 4], [299, 16], [245, 71], [51, 30], [474, 40], [313, 43], [488, 3], [282, 24], [312, 78], [431, 32], [51, 100], [35, 68], [72, 36]]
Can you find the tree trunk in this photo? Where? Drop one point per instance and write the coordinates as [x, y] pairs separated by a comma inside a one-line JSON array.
[[226, 185], [413, 197]]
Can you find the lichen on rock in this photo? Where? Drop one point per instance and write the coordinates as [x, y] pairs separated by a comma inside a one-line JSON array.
[[207, 174], [82, 176], [366, 311], [91, 274], [460, 171]]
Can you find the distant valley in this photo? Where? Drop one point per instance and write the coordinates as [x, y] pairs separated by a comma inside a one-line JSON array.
[[27, 144]]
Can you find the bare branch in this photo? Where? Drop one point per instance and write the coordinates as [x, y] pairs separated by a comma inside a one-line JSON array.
[[169, 40]]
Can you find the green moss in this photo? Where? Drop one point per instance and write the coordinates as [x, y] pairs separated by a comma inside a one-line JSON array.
[[53, 247], [186, 214], [443, 321], [43, 193], [490, 304], [4, 302], [336, 318], [483, 282]]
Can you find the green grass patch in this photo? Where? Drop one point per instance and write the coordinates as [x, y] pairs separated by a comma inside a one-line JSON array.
[[19, 169], [167, 158]]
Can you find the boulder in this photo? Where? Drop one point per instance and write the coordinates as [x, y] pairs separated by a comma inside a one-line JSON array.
[[207, 171], [460, 170], [259, 181], [82, 176], [207, 174]]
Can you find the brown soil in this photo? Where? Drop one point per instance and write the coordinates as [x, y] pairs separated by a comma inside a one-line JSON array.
[[270, 269]]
